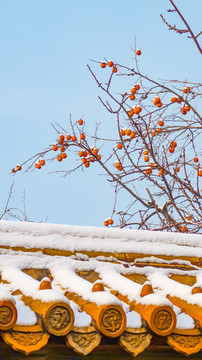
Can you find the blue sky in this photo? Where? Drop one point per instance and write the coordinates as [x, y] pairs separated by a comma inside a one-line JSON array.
[[45, 47]]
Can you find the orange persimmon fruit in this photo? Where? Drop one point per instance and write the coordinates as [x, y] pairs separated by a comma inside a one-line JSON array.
[[186, 89], [132, 97], [103, 64], [80, 122], [173, 99], [148, 171], [132, 135], [59, 158], [161, 123], [184, 228], [95, 151], [189, 217], [146, 158], [114, 70], [82, 136], [117, 164], [137, 110], [42, 162], [159, 104], [199, 172], [128, 132], [54, 147], [68, 137], [37, 165], [110, 63], [61, 137], [87, 164], [156, 100], [183, 110], [130, 112], [171, 149]]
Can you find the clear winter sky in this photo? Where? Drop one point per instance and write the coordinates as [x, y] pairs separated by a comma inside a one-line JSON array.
[[45, 46]]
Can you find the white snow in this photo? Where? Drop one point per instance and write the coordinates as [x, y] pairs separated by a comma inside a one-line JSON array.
[[118, 282], [184, 321], [68, 280], [74, 238], [25, 315], [173, 288], [81, 318], [77, 239], [5, 295], [133, 319], [29, 286], [154, 299], [169, 286]]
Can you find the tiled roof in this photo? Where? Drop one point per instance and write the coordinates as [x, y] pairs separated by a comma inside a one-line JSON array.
[[83, 283]]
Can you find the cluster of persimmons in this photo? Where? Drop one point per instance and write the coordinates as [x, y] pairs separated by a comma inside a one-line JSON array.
[[140, 130], [148, 136]]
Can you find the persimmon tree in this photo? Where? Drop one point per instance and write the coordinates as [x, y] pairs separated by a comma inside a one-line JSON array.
[[155, 153]]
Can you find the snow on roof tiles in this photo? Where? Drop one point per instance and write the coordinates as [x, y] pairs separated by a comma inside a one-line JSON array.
[[74, 238], [24, 264]]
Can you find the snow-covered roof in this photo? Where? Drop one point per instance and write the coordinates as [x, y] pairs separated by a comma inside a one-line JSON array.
[[71, 261], [86, 238]]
